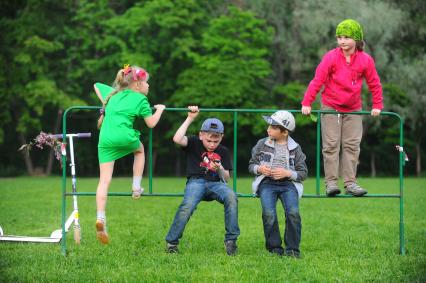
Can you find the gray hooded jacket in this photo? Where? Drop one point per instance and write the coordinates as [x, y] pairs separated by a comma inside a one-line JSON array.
[[263, 154]]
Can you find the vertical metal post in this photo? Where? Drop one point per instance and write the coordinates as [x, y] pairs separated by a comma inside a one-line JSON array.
[[150, 160], [401, 189], [235, 150], [318, 155], [64, 182]]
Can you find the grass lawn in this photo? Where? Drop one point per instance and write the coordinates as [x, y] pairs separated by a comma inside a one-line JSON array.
[[343, 240]]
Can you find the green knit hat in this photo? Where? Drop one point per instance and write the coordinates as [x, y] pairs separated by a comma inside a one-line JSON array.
[[350, 28]]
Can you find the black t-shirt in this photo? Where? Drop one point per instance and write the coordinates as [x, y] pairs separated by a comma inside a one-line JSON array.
[[198, 160]]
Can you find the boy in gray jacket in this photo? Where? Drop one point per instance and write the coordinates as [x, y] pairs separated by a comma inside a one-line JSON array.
[[279, 165]]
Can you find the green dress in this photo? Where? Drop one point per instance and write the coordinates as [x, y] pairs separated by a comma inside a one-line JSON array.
[[118, 137]]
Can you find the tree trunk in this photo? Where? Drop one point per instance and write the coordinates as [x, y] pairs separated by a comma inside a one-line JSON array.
[[51, 151], [26, 155], [373, 163], [418, 160]]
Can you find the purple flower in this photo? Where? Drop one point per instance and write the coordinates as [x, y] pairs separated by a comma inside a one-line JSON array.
[[44, 139]]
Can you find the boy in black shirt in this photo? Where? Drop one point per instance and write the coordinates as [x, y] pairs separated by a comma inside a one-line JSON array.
[[208, 166]]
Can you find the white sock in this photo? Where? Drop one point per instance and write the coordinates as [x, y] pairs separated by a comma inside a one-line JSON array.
[[101, 215], [137, 182]]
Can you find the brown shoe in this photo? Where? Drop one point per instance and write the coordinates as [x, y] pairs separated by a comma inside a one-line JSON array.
[[101, 233]]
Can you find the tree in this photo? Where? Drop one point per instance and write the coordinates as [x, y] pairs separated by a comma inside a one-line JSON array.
[[407, 69], [231, 67], [408, 74], [256, 54], [30, 87], [305, 31]]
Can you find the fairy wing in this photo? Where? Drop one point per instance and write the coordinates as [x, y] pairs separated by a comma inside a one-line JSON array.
[[102, 91]]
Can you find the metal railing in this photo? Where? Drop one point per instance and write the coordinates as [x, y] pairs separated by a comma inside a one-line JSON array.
[[235, 151]]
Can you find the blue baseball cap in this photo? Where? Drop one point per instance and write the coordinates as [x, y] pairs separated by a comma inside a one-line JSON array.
[[212, 125]]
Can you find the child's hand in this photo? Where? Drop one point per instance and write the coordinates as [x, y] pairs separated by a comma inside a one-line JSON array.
[[159, 107], [306, 110], [280, 173], [264, 170], [152, 120], [216, 165], [375, 112], [193, 111]]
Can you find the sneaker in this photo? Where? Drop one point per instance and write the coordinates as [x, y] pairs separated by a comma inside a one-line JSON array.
[[332, 190], [101, 233], [277, 251], [171, 248], [292, 254], [355, 190], [231, 247], [136, 193]]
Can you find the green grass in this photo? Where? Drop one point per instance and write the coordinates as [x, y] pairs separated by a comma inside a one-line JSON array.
[[343, 240]]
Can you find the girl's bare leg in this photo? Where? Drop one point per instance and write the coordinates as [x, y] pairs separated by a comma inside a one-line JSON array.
[[105, 176], [138, 167]]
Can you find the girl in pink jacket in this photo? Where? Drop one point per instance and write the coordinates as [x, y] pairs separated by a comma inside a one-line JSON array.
[[341, 72]]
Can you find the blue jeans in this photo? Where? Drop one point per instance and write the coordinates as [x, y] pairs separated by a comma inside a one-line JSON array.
[[197, 190], [270, 192]]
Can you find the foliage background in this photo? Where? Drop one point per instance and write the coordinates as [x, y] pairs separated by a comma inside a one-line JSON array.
[[217, 54]]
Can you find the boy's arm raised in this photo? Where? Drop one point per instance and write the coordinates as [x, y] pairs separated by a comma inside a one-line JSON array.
[[180, 137]]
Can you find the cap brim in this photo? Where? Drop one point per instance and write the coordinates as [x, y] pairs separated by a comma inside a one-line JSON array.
[[213, 131], [270, 121]]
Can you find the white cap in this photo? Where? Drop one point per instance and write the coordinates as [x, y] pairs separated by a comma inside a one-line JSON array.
[[282, 118]]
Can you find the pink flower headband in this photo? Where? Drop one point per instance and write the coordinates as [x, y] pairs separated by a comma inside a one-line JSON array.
[[138, 74]]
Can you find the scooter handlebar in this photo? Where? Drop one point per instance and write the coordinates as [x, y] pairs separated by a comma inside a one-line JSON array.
[[78, 135], [84, 135]]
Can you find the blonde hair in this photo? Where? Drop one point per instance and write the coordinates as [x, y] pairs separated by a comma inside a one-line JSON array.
[[125, 77]]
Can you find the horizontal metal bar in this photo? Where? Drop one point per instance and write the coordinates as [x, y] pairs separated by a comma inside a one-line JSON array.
[[351, 196], [274, 110], [250, 110], [246, 195], [238, 194], [339, 196], [123, 194]]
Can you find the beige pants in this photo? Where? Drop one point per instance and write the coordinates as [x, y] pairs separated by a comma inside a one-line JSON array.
[[341, 139]]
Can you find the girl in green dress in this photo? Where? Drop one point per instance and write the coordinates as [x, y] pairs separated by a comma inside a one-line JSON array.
[[122, 103]]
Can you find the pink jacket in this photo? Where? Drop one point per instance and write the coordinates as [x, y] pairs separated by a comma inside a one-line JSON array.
[[343, 82]]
